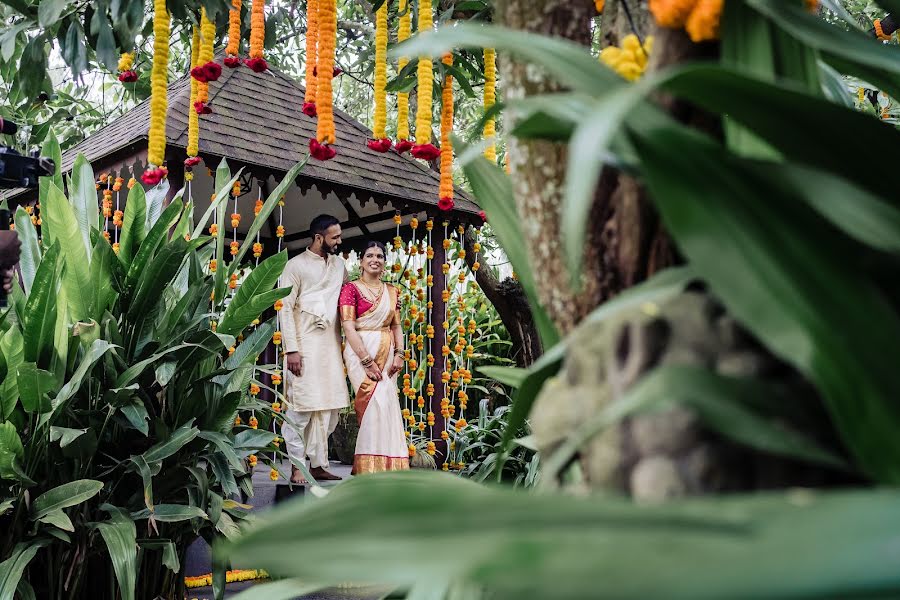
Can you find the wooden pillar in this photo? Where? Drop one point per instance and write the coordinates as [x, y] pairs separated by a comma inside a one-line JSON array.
[[440, 338]]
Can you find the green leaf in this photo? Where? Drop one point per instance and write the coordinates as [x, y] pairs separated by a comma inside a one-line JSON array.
[[157, 234], [34, 385], [221, 196], [12, 568], [84, 200], [722, 403], [156, 276], [11, 450], [49, 11], [136, 414], [97, 349], [64, 496], [65, 435], [176, 441], [58, 213], [134, 224], [223, 474], [39, 322], [170, 552], [104, 267], [170, 513], [247, 351], [156, 198], [30, 253], [59, 519], [144, 470], [253, 439], [511, 376], [248, 302], [51, 150], [724, 547], [6, 506], [11, 344], [788, 279], [120, 536], [225, 446]]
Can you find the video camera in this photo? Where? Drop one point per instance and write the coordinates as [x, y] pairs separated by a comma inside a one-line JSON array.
[[17, 170]]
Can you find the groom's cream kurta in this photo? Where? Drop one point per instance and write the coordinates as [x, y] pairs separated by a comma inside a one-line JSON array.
[[310, 326]]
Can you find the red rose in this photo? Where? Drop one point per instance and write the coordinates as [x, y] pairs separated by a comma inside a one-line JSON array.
[[337, 71], [199, 73], [309, 109], [128, 76], [212, 70], [232, 62], [154, 176], [403, 146], [192, 161], [202, 108], [483, 216], [426, 151], [321, 151], [445, 204], [257, 65], [382, 145]]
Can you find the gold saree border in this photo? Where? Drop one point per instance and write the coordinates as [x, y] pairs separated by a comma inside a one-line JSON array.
[[374, 463]]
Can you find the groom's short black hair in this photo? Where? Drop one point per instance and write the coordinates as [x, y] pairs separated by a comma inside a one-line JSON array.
[[321, 224]]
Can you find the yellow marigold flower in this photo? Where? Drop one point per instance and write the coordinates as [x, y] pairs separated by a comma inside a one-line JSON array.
[[212, 265], [254, 389], [446, 243], [445, 295], [273, 474], [276, 406], [235, 219], [430, 448], [420, 402], [429, 360], [257, 249], [430, 389], [412, 450], [252, 459], [115, 247], [276, 338], [413, 365], [237, 421], [397, 219], [279, 304], [234, 248], [445, 377], [421, 426], [279, 231], [253, 422], [255, 322], [213, 229], [414, 222], [131, 182], [445, 467], [276, 379]]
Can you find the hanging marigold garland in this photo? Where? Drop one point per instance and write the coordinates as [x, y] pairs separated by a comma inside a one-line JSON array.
[[234, 35], [490, 98], [446, 189], [206, 70], [699, 18], [256, 62], [156, 136], [193, 116], [321, 146], [380, 143], [312, 40], [126, 73], [424, 149], [403, 33]]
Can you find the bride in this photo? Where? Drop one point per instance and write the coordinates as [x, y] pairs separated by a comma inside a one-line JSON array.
[[370, 312]]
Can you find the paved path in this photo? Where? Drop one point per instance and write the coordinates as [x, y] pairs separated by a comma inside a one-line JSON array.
[[265, 490]]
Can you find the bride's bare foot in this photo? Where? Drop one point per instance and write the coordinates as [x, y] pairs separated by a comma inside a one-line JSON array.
[[321, 474], [297, 477]]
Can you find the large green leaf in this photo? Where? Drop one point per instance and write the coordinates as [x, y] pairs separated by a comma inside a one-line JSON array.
[[51, 150], [757, 546], [84, 200], [785, 275], [248, 350], [176, 441], [225, 446], [722, 403], [247, 302], [39, 322], [157, 234], [134, 224], [170, 513], [34, 385], [64, 496], [65, 435], [11, 450], [97, 349], [12, 568], [156, 198], [221, 197], [30, 253], [59, 519], [156, 275], [253, 439], [103, 267], [11, 344], [120, 536], [58, 213]]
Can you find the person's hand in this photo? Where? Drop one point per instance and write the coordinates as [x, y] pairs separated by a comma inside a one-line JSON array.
[[7, 277], [294, 363], [396, 366], [9, 248], [373, 372]]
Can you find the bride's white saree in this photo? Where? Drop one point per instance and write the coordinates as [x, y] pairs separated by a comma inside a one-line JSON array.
[[381, 442]]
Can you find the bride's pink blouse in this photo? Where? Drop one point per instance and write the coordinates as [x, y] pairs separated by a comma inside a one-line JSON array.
[[352, 303]]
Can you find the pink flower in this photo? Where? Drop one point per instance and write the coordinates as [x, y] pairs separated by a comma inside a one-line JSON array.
[[382, 145], [154, 176], [426, 151], [403, 146], [232, 62], [257, 65], [309, 109], [445, 204], [321, 151], [128, 76], [202, 108], [192, 161], [212, 70]]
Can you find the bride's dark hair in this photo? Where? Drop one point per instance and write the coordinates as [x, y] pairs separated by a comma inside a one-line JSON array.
[[375, 244]]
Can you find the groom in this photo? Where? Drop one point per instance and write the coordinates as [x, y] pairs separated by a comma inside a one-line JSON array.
[[316, 386]]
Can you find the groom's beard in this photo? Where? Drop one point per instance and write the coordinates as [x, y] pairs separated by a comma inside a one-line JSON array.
[[332, 249]]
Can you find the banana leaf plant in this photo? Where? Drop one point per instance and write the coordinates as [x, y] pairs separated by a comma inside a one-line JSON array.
[[121, 379]]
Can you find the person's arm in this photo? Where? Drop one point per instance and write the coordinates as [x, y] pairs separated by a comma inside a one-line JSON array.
[[289, 338], [9, 256], [348, 303], [397, 332]]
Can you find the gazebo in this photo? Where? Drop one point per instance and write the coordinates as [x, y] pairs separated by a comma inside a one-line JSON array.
[[257, 126]]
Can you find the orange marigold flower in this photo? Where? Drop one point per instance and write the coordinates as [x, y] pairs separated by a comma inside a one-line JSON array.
[[115, 247], [276, 338], [397, 219], [276, 406], [257, 208], [212, 265], [279, 305], [131, 182], [237, 420], [254, 389], [412, 450], [257, 249], [253, 422], [703, 23], [234, 248], [446, 243], [252, 460], [276, 379], [279, 231], [213, 229], [671, 13], [273, 474]]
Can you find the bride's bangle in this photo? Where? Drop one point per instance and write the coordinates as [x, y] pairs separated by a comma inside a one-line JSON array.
[[366, 360], [399, 352]]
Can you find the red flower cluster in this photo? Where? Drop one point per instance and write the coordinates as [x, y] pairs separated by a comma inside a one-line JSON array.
[[426, 151], [483, 216], [334, 73], [403, 146], [154, 176], [202, 108], [309, 109], [382, 145], [257, 65], [128, 76], [192, 161], [321, 151], [211, 71], [232, 61], [445, 204]]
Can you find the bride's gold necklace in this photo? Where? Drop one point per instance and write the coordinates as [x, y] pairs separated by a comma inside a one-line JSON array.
[[380, 290]]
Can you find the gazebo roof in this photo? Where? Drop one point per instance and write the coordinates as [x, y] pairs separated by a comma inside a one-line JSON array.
[[257, 121]]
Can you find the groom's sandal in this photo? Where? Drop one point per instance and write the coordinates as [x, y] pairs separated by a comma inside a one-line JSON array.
[[320, 474]]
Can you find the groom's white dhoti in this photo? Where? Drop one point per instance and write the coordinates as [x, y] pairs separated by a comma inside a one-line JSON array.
[[310, 326]]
